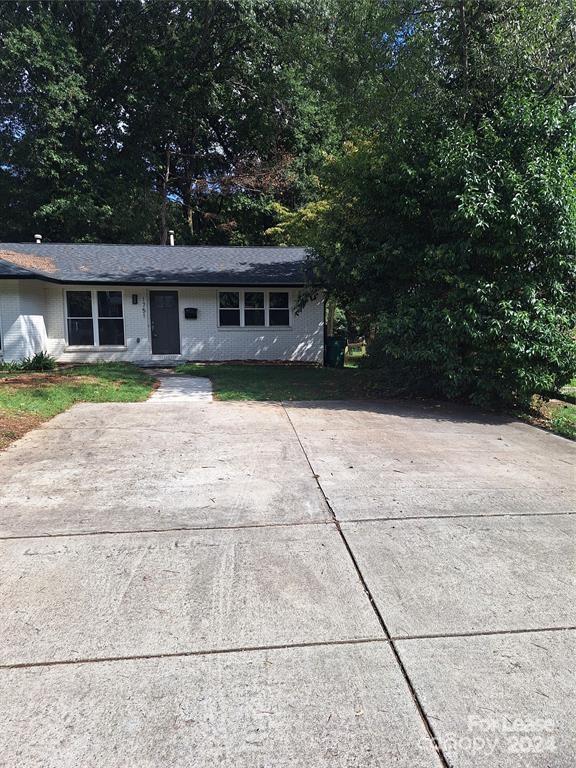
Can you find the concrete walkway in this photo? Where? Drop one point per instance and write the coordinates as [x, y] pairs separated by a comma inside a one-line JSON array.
[[182, 389], [311, 584]]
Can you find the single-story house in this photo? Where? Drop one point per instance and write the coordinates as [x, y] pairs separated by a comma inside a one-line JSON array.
[[145, 303]]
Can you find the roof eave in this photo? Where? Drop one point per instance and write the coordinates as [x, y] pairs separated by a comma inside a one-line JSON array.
[[148, 283]]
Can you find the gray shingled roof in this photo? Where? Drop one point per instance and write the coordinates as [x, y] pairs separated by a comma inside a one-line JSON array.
[[140, 264]]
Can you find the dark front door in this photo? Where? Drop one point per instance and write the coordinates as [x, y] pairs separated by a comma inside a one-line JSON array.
[[164, 322]]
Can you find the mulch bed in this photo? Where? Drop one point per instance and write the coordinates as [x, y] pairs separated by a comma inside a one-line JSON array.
[[14, 425]]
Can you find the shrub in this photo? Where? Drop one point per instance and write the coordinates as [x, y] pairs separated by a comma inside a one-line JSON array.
[[15, 365], [459, 239], [41, 361]]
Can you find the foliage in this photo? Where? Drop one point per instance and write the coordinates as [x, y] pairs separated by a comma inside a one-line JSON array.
[[121, 119], [563, 421], [556, 415], [480, 299], [452, 223], [41, 361], [10, 366]]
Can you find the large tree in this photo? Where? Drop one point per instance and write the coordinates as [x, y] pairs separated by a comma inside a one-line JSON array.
[[451, 221], [120, 119]]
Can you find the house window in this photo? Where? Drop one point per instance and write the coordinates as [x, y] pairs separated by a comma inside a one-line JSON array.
[[279, 313], [254, 313], [95, 318], [229, 308], [258, 309], [80, 322], [110, 318]]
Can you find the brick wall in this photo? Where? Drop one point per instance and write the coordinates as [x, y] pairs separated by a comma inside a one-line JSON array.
[[22, 318], [200, 339]]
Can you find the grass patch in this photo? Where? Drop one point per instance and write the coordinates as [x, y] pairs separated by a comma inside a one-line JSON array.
[[286, 382], [568, 393], [563, 420], [556, 415], [26, 399]]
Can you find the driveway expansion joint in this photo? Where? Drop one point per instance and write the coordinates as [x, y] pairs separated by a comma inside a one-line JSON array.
[[415, 698], [167, 530], [481, 633], [464, 515], [186, 654], [293, 524]]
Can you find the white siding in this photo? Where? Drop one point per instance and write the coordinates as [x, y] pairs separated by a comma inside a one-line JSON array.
[[200, 339], [22, 324]]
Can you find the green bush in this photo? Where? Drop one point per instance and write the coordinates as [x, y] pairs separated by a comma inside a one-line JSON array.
[[41, 361], [11, 366], [461, 241]]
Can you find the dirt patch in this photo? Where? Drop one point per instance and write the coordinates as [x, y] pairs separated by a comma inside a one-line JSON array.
[[45, 379], [14, 425]]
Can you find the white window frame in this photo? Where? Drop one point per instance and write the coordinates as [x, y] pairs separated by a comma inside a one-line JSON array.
[[242, 307], [95, 329]]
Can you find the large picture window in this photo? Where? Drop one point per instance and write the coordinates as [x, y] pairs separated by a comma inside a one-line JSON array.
[[95, 318], [258, 309]]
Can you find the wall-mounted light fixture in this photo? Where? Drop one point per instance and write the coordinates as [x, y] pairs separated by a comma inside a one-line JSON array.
[[134, 298]]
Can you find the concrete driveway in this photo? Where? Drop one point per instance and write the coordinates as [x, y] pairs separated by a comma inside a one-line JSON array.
[[311, 584]]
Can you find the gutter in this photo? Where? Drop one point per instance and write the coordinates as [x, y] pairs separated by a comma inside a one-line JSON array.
[[148, 284]]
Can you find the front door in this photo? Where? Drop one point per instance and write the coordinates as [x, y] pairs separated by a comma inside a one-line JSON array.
[[164, 322]]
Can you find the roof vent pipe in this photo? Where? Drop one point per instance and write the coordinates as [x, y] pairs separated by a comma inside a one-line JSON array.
[[38, 239], [171, 236]]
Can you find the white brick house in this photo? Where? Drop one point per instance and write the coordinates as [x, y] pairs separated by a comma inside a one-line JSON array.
[[82, 302]]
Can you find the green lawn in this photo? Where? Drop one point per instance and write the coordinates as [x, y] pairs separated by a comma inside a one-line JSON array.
[[284, 382], [49, 393], [27, 399]]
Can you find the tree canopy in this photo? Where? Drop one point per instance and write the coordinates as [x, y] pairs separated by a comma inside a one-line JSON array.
[[121, 119], [451, 223]]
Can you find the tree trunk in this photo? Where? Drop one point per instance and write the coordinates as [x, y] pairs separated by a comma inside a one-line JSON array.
[[187, 202], [463, 41], [190, 217], [164, 206], [330, 314]]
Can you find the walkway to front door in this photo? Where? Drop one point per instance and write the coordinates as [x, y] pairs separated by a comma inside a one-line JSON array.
[[181, 389]]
